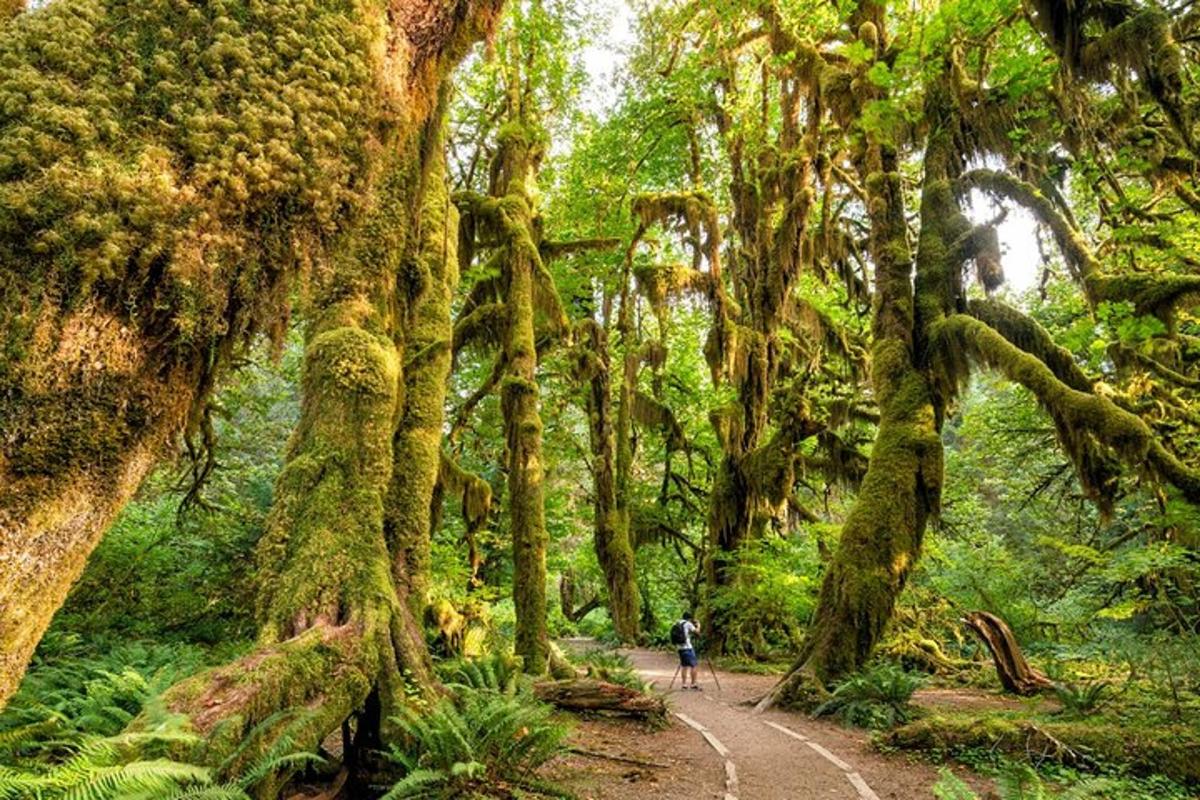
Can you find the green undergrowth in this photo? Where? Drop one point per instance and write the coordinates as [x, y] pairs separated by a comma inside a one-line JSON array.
[[1098, 745], [611, 667], [91, 726], [750, 666], [878, 697], [487, 740], [1020, 781]]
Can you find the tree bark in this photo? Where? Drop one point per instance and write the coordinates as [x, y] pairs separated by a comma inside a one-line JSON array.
[[1015, 673]]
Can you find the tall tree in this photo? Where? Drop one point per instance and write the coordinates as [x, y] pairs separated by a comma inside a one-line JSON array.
[[148, 240], [927, 332]]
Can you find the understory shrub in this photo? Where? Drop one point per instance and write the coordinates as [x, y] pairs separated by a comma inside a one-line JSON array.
[[877, 697], [612, 667], [772, 595], [481, 743], [49, 761], [1018, 781], [1083, 698], [69, 733], [496, 672]]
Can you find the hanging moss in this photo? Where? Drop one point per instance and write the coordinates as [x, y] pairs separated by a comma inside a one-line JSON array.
[[1079, 416], [158, 194], [474, 493], [660, 283]]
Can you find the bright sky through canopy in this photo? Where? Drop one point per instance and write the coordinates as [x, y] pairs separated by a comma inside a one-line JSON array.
[[606, 57]]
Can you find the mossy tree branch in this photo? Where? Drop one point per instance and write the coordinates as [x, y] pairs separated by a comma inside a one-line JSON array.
[[1077, 414]]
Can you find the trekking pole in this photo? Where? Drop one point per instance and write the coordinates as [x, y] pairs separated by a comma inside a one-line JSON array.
[[673, 677]]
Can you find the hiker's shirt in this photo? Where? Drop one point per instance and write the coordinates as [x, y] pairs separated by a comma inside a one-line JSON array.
[[688, 630]]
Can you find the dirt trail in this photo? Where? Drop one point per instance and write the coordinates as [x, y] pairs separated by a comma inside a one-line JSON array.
[[718, 747]]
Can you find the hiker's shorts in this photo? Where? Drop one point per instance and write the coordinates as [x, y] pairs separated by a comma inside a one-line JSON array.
[[687, 657]]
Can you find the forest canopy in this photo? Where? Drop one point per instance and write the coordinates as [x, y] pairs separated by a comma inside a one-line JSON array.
[[360, 360]]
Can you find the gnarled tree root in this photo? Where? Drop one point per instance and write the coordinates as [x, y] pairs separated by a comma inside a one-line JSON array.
[[799, 689], [324, 676]]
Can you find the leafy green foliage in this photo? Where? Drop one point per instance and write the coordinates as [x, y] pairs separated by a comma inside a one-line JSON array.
[[612, 667], [474, 745], [1017, 781], [877, 697], [90, 727], [771, 597], [1083, 698], [497, 672]]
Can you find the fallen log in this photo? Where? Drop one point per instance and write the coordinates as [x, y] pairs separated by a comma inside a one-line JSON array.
[[584, 694], [1015, 673]]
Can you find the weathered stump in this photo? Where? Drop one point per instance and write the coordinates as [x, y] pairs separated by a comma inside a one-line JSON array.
[[1016, 675]]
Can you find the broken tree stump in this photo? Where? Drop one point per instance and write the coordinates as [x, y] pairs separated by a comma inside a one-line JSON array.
[[1015, 673], [584, 694]]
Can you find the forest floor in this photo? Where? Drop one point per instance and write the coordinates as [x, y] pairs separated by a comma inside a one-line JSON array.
[[716, 746]]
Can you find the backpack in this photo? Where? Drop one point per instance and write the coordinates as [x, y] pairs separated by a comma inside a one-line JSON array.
[[678, 634]]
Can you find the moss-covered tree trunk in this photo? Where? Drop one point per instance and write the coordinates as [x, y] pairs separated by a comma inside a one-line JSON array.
[[882, 534], [425, 337], [881, 538], [141, 252], [611, 535], [338, 636], [515, 165], [332, 638]]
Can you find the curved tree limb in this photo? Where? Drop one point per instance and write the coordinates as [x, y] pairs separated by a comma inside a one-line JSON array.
[[1076, 413]]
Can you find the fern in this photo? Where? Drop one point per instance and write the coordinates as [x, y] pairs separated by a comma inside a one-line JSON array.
[[952, 787], [484, 738], [874, 698], [1020, 782], [495, 673], [56, 757], [612, 667], [1081, 699]]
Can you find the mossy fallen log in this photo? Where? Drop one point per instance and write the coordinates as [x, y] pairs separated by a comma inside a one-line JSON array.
[[1173, 751], [584, 694]]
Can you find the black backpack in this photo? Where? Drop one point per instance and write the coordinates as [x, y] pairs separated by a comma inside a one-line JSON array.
[[678, 634]]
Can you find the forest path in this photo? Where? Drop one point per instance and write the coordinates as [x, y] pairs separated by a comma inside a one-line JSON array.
[[720, 748], [771, 756]]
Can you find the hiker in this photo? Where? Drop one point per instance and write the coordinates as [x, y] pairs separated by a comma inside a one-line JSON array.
[[681, 637]]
